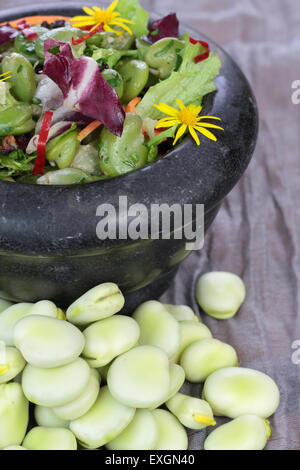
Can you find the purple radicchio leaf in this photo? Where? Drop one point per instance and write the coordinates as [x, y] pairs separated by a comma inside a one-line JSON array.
[[83, 87], [7, 33], [164, 28]]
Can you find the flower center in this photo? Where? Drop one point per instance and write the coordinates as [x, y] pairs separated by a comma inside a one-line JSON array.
[[103, 16], [188, 116]]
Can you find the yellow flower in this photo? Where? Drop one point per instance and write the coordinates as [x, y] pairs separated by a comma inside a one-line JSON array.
[[5, 76], [188, 118], [109, 17]]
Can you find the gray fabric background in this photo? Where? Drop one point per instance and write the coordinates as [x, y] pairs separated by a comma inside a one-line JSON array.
[[256, 234]]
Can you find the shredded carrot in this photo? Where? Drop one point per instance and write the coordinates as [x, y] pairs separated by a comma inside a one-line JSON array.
[[36, 20], [130, 108], [88, 130]]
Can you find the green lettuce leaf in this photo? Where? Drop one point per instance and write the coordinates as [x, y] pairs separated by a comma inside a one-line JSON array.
[[111, 56], [17, 163], [132, 10], [190, 83]]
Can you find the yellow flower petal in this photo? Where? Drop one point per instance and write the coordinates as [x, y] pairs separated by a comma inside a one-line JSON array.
[[210, 117], [194, 135], [121, 25], [211, 126], [125, 21], [166, 109], [180, 133], [113, 6], [207, 134], [180, 104], [166, 124], [88, 11]]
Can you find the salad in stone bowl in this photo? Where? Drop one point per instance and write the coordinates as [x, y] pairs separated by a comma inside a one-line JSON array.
[[99, 95]]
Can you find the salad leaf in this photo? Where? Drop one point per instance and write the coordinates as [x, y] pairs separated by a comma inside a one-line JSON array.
[[190, 83], [17, 163], [7, 33], [83, 87], [111, 56], [164, 28], [6, 100], [159, 138], [132, 10]]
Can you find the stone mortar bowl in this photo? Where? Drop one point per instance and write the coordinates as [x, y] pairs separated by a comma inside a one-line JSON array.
[[48, 243]]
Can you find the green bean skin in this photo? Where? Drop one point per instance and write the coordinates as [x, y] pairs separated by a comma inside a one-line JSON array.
[[115, 80], [120, 155], [135, 74], [162, 56], [62, 149], [23, 76], [16, 120]]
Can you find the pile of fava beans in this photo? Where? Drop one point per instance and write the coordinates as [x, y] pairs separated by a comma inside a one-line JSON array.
[[97, 378]]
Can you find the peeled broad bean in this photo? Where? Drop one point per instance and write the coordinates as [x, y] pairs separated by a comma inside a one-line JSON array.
[[189, 332], [103, 422], [41, 438], [87, 160], [120, 155], [140, 378], [57, 386], [115, 80], [171, 434], [100, 302], [14, 448], [177, 377], [103, 371], [237, 391], [4, 304], [135, 74], [47, 418], [108, 338], [140, 434], [204, 357], [13, 364], [62, 149], [181, 312], [16, 120], [22, 76], [192, 412], [162, 56], [48, 342], [83, 403], [66, 176], [248, 432], [158, 327], [14, 313], [13, 415], [220, 294]]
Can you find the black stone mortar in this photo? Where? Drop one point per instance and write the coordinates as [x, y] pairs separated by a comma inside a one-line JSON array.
[[48, 243]]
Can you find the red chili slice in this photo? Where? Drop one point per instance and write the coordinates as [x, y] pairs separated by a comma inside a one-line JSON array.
[[205, 54], [27, 31], [99, 28], [39, 167]]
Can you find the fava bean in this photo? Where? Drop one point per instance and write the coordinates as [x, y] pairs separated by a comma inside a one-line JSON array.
[[181, 312], [142, 46], [177, 377], [220, 294], [13, 414], [140, 434], [204, 357], [22, 76], [189, 332], [103, 371], [171, 434], [135, 74], [66, 176], [26, 47], [4, 304], [115, 80], [247, 432], [13, 364], [87, 160], [41, 438], [103, 422], [100, 302], [47, 342], [46, 417], [83, 403], [16, 120], [237, 391], [119, 155], [14, 448], [163, 56], [109, 40], [192, 412], [62, 149], [14, 313], [64, 34], [57, 386], [158, 327], [140, 378], [108, 338]]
